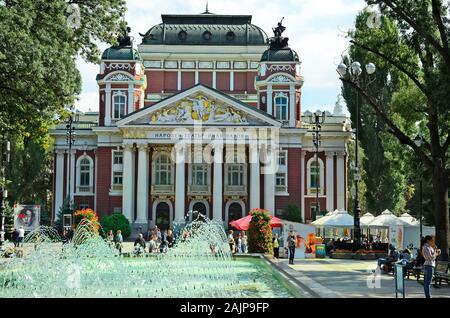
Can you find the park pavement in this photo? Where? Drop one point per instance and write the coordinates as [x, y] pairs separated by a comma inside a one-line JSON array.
[[338, 278]]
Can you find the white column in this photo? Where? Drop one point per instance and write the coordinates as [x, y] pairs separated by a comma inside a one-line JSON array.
[[255, 187], [214, 79], [59, 182], [179, 80], [340, 182], [269, 99], [302, 180], [108, 105], [196, 77], [269, 181], [180, 183], [130, 98], [330, 180], [231, 81], [143, 186], [128, 183], [292, 106], [218, 183]]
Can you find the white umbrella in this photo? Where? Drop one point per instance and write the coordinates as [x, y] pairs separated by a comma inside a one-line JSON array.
[[319, 222], [339, 219], [365, 220], [409, 219], [387, 219]]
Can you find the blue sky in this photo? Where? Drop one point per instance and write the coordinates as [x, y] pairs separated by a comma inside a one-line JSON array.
[[315, 29]]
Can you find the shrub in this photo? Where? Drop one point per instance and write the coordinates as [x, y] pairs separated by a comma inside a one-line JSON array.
[[293, 213], [116, 222], [88, 214], [260, 232]]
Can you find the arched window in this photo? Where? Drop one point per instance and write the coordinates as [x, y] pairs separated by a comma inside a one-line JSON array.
[[315, 175], [85, 174], [163, 167], [119, 102], [281, 107]]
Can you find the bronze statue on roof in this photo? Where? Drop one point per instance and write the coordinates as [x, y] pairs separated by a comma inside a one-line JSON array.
[[278, 41], [125, 39]]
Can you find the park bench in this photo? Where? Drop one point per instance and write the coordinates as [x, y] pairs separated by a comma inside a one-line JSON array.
[[441, 272]]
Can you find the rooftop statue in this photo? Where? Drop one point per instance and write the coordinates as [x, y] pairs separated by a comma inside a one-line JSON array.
[[125, 39], [278, 41]]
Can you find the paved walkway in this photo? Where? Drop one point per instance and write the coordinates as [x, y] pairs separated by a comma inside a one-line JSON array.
[[337, 278]]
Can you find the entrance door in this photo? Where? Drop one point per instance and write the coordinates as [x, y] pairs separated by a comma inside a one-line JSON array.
[[199, 208], [162, 216], [234, 212]]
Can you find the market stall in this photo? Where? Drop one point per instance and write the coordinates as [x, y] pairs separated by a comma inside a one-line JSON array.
[[388, 228]]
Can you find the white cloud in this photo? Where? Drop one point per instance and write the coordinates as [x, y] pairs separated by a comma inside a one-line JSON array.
[[313, 27]]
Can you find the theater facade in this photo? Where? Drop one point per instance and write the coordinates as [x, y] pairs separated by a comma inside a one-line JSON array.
[[205, 115]]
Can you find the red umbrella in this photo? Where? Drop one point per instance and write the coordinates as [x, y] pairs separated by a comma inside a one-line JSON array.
[[244, 223]]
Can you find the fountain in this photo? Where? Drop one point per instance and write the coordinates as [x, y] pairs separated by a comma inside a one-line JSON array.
[[199, 265]]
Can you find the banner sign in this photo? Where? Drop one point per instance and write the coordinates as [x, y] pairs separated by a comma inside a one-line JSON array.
[[27, 216]]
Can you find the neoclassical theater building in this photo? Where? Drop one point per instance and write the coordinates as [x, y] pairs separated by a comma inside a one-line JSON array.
[[205, 115]]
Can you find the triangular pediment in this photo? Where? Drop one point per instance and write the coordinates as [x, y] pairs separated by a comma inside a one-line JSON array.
[[199, 104]]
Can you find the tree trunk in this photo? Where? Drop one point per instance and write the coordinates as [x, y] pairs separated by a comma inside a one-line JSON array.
[[441, 212]]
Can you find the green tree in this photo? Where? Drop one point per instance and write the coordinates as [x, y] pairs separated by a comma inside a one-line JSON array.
[[115, 222], [417, 50], [293, 213]]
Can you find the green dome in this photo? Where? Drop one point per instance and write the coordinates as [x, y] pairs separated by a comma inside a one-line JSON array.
[[121, 53], [205, 29], [280, 55]]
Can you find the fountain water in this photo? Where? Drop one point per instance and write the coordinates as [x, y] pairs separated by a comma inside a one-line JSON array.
[[200, 265]]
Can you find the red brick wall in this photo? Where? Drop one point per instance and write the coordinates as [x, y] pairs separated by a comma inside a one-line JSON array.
[[311, 201], [251, 82], [223, 81], [170, 82], [155, 82], [104, 201], [187, 80], [240, 82], [205, 78], [294, 181]]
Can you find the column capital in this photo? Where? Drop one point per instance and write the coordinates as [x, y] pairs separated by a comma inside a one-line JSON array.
[[329, 154], [341, 153], [60, 152], [143, 146], [127, 147]]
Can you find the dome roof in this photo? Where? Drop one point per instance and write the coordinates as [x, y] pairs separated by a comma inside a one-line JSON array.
[[280, 55], [205, 29], [121, 53]]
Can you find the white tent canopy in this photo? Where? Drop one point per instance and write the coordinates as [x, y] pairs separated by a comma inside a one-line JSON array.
[[339, 219], [409, 219], [366, 219], [387, 219], [319, 222]]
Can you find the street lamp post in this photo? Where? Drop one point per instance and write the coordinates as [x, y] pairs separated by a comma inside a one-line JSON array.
[[354, 72], [4, 160], [70, 139], [418, 140], [317, 119]]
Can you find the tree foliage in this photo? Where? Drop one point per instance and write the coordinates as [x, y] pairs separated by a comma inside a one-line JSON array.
[[412, 51], [292, 213], [114, 222]]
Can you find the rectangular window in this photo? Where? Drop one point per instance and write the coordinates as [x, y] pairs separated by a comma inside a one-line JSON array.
[[281, 180], [118, 157], [315, 176], [118, 178], [281, 106], [199, 174], [236, 175], [119, 101], [282, 158]]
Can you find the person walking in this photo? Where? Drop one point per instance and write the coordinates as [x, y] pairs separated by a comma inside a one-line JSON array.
[[239, 244], [119, 241], [291, 246], [244, 242], [231, 241], [15, 237], [429, 252], [21, 236], [276, 246]]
